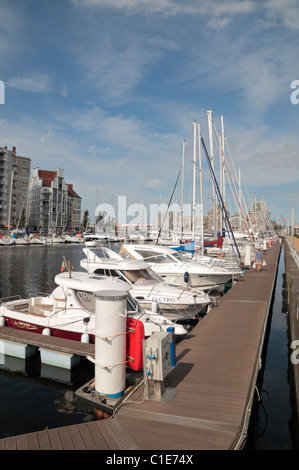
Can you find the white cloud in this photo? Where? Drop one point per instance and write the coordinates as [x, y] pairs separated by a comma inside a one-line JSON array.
[[286, 11], [35, 83], [64, 90], [217, 8]]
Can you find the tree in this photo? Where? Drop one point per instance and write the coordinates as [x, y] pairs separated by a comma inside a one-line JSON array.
[[85, 220]]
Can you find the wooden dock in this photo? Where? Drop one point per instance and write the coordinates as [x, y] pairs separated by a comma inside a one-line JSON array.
[[214, 379], [49, 342]]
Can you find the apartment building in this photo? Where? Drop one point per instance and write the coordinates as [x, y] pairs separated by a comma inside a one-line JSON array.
[[14, 183], [53, 204]]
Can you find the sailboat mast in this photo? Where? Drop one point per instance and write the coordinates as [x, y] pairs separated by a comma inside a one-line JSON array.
[[194, 179], [182, 196], [10, 200], [240, 196], [209, 113], [222, 159]]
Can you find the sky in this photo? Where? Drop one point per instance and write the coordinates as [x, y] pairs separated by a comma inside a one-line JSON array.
[[108, 90]]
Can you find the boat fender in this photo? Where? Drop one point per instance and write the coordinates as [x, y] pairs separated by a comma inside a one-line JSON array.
[[2, 321], [186, 276], [85, 338], [46, 332]]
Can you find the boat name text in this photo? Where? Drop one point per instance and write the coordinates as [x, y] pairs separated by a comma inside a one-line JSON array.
[[165, 300]]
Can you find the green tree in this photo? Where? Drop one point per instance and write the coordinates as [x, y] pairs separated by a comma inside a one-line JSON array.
[[85, 220]]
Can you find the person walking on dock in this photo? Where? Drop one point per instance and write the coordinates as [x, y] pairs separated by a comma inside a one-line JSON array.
[[259, 258]]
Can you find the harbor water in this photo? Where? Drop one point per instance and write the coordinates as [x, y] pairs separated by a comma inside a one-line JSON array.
[[34, 397]]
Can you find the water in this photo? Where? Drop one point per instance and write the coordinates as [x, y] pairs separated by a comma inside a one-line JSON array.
[[34, 397], [273, 423]]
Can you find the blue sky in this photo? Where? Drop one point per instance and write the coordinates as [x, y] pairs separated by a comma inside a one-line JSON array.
[[109, 89]]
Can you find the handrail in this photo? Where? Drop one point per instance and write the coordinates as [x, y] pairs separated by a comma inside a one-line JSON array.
[[293, 251], [10, 299]]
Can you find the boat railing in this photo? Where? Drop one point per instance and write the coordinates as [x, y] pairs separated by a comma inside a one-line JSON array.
[[11, 298], [39, 294]]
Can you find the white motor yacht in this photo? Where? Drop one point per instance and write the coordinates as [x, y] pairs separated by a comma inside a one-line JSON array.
[[6, 240], [69, 311], [73, 239], [176, 302], [175, 267]]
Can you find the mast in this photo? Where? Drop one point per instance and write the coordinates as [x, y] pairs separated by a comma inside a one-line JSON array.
[[209, 113], [200, 180], [240, 216], [200, 163], [182, 196], [10, 199], [220, 200], [194, 179], [222, 159]]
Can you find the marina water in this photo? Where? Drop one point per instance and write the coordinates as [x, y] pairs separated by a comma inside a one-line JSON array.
[[34, 397]]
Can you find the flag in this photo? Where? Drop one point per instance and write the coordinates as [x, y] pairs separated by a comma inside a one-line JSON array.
[[63, 266]]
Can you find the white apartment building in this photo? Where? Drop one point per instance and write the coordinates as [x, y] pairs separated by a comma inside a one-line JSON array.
[[53, 204]]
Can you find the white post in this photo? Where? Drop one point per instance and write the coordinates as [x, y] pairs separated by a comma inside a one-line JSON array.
[[110, 342]]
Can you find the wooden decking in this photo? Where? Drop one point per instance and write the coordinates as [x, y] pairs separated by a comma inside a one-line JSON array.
[[48, 342], [214, 382]]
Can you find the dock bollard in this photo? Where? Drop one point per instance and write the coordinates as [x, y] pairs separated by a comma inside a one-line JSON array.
[[110, 342]]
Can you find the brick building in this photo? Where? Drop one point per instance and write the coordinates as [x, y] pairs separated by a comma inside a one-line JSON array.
[[53, 204]]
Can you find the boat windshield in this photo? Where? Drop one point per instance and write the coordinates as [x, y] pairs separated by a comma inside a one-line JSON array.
[[133, 306], [158, 257], [140, 275]]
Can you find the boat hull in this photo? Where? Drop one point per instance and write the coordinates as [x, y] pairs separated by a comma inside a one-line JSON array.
[[204, 282], [36, 328], [134, 338]]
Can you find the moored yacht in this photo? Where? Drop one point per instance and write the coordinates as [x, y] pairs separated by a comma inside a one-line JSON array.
[[176, 302], [69, 311], [175, 267]]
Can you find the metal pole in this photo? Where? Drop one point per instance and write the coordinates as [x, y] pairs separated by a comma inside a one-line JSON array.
[[292, 228]]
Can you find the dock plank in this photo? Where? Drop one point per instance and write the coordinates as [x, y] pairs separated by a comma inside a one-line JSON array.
[[47, 342], [78, 437], [55, 439]]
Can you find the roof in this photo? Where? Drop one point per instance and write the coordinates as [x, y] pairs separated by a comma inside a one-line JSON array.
[[47, 177], [71, 192]]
